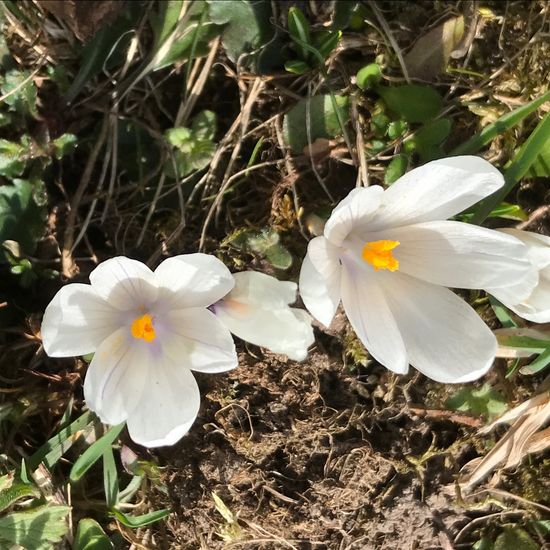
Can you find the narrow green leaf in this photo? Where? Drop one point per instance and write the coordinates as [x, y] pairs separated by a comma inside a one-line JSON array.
[[298, 27], [134, 522], [296, 66], [541, 362], [519, 166], [503, 315], [110, 478], [60, 443], [90, 536], [93, 453], [326, 41], [504, 123]]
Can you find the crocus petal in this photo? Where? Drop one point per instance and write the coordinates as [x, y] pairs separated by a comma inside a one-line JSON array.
[[256, 310], [352, 213], [192, 280], [252, 287], [76, 321], [117, 375], [536, 306], [460, 255], [436, 191], [196, 339], [320, 280], [366, 305], [126, 284], [168, 406], [445, 338]]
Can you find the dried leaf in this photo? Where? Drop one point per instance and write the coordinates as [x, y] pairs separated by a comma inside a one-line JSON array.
[[521, 439], [430, 54]]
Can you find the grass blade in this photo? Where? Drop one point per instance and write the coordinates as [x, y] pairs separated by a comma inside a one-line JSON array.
[[94, 452], [519, 166], [505, 122]]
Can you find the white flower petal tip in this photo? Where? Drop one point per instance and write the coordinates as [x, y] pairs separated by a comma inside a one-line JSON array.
[[389, 254], [257, 311], [533, 305], [148, 331]]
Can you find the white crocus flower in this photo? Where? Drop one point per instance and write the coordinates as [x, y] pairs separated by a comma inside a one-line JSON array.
[[257, 311], [147, 331], [536, 306], [388, 256]]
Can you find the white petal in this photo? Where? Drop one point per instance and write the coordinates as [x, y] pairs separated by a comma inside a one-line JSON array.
[[445, 338], [76, 321], [320, 279], [126, 284], [196, 339], [168, 407], [460, 255], [366, 305], [538, 246], [192, 280], [436, 191], [280, 329], [353, 212], [117, 375], [258, 288]]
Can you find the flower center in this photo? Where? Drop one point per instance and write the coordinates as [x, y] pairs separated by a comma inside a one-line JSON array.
[[142, 327], [379, 255]]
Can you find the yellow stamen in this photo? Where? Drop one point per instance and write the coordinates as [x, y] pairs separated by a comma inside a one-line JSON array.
[[142, 327], [378, 254]]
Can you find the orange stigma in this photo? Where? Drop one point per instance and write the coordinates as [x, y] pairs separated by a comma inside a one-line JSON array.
[[143, 328], [379, 255]]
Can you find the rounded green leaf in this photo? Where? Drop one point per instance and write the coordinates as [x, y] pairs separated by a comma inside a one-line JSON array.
[[412, 102], [369, 76]]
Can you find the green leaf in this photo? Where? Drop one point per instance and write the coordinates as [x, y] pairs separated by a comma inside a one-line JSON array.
[[60, 443], [484, 400], [541, 362], [326, 41], [485, 543], [64, 145], [515, 538], [369, 76], [39, 528], [298, 28], [94, 452], [248, 25], [412, 102], [15, 492], [342, 14], [379, 124], [22, 90], [541, 166], [503, 210], [432, 133], [323, 120], [278, 256], [522, 161], [295, 66], [397, 128], [396, 168], [23, 213], [90, 536], [12, 158], [110, 478], [204, 125], [134, 522], [502, 314], [504, 123], [138, 152]]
